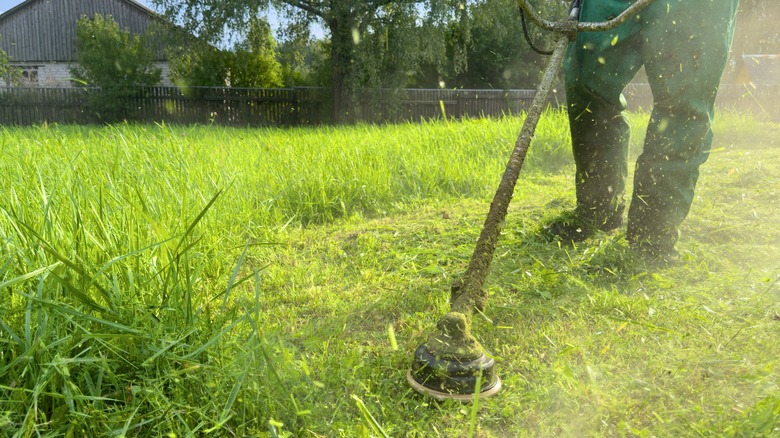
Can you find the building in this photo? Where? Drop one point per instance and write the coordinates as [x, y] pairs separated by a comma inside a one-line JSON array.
[[40, 36]]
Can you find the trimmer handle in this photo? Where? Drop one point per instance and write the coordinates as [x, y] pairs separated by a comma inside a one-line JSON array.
[[574, 25]]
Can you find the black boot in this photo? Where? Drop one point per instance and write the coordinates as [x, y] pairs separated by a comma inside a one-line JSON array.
[[573, 227]]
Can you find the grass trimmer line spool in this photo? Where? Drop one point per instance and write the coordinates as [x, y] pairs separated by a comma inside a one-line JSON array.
[[451, 364]]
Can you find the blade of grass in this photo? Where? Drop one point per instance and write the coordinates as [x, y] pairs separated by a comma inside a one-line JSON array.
[[162, 351], [268, 359], [48, 248], [29, 275], [370, 420], [12, 334], [233, 276], [90, 280], [78, 293], [233, 395], [68, 311], [197, 219], [213, 339], [240, 281], [475, 406]]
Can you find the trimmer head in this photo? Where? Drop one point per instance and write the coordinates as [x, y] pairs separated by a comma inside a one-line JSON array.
[[451, 379], [449, 365]]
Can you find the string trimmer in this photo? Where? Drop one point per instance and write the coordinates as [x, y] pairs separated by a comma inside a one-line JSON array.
[[452, 364]]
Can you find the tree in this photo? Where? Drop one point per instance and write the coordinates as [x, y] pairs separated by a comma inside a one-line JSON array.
[[115, 61], [485, 47], [196, 63], [345, 20], [11, 75], [254, 61], [304, 61], [498, 55]]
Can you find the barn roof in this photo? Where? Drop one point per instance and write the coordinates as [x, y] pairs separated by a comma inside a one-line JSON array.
[[45, 30]]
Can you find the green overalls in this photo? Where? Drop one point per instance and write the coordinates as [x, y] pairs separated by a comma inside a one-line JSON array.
[[683, 45]]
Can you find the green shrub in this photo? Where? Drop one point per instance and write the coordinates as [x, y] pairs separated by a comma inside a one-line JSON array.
[[115, 61]]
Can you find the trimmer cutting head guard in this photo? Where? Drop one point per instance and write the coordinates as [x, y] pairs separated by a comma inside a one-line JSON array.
[[449, 365], [444, 379]]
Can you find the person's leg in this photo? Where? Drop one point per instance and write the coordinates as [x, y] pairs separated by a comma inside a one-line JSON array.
[[597, 68], [686, 44]]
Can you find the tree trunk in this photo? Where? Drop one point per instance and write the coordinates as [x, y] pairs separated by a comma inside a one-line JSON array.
[[342, 53]]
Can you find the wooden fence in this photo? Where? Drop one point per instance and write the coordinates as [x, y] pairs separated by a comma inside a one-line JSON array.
[[252, 107], [307, 106], [27, 106], [229, 106]]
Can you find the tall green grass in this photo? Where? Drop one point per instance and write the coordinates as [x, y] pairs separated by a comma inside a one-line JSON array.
[[168, 280], [122, 248]]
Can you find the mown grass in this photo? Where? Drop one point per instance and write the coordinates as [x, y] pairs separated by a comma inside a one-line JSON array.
[[182, 281]]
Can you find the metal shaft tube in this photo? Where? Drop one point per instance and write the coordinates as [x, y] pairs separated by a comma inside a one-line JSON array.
[[467, 293]]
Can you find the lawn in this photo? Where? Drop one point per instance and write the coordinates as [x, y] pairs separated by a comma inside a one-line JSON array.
[[191, 281]]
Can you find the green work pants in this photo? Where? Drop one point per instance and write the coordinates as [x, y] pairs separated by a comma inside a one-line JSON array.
[[683, 45]]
